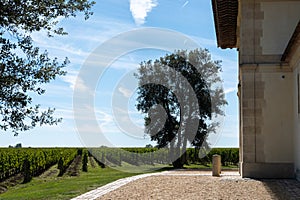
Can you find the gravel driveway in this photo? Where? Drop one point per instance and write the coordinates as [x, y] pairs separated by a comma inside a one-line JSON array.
[[187, 184]]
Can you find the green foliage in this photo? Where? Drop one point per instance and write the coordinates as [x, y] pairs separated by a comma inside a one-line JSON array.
[[60, 166], [183, 85], [79, 151], [85, 161], [32, 162], [229, 156], [26, 171], [23, 68], [65, 159], [148, 156], [151, 156]]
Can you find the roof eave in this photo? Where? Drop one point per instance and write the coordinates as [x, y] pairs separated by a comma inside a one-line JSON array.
[[225, 17], [293, 42]]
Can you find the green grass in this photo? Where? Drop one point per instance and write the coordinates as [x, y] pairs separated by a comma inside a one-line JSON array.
[[63, 187]]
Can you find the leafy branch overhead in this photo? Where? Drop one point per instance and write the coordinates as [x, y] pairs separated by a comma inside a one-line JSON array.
[[23, 68]]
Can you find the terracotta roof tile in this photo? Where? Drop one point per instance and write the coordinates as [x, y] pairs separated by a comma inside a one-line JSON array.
[[225, 16]]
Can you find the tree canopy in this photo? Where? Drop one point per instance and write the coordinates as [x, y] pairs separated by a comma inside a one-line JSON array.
[[23, 68], [179, 93]]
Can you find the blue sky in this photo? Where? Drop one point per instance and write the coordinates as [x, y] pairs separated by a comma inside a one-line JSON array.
[[192, 18]]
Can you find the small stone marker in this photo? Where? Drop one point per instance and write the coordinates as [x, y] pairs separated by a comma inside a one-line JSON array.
[[216, 165]]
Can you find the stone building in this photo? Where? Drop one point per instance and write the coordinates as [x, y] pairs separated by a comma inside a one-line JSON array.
[[266, 34]]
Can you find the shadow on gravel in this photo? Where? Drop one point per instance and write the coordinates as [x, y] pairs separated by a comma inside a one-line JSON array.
[[282, 189]]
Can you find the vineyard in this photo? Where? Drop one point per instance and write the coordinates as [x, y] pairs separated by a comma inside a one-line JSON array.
[[152, 156], [32, 162]]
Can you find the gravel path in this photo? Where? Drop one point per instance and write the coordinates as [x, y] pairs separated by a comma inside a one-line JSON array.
[[187, 184]]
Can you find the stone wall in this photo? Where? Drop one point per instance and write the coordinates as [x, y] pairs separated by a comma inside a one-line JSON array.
[[266, 102], [266, 91], [295, 63]]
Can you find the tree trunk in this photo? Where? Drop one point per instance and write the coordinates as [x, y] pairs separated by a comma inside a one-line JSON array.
[[184, 158], [177, 161], [171, 152]]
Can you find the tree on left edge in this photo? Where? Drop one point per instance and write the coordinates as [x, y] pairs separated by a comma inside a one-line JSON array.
[[23, 67]]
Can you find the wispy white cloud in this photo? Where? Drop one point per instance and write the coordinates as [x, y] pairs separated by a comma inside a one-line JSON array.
[[129, 122], [126, 92], [229, 90], [65, 112], [110, 123], [57, 44], [106, 120], [96, 31], [186, 3], [140, 9], [80, 42], [70, 78]]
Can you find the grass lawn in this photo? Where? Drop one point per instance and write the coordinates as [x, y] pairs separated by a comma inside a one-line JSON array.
[[64, 187]]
